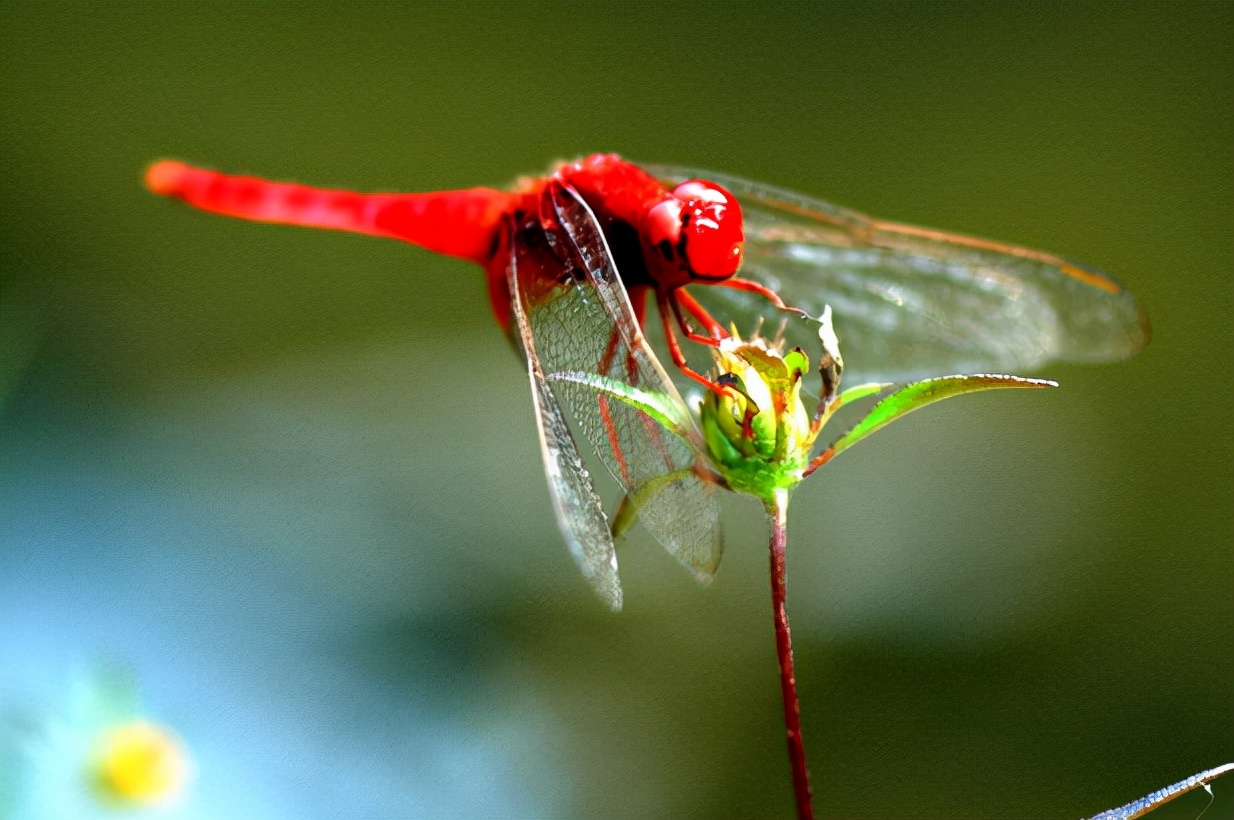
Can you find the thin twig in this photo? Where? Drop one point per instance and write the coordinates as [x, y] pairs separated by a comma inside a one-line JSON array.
[[1141, 807]]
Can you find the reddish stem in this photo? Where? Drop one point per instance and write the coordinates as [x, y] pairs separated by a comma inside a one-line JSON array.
[[777, 509]]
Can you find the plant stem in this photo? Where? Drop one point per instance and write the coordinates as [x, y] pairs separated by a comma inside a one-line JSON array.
[[777, 510]]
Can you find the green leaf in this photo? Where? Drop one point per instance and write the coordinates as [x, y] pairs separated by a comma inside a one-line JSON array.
[[633, 501], [857, 393], [918, 395], [664, 409]]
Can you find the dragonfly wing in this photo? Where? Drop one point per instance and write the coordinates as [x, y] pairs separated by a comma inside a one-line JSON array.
[[584, 323], [580, 516], [913, 302]]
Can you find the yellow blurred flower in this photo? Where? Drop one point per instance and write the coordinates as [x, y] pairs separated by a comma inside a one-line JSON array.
[[96, 754], [139, 764]]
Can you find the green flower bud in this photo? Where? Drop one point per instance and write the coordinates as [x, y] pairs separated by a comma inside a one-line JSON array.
[[758, 432]]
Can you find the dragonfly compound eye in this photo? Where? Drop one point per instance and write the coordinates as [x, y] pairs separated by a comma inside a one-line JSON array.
[[662, 228], [711, 229]]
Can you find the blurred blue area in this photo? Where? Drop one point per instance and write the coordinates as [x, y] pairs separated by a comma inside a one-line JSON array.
[[293, 694], [290, 479]]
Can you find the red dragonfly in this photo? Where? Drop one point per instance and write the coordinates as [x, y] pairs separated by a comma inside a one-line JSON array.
[[662, 240], [571, 259]]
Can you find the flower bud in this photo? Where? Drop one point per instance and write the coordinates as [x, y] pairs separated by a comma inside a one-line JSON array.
[[758, 432]]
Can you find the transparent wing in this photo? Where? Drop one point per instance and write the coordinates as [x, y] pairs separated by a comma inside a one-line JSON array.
[[582, 322], [580, 516], [912, 302]]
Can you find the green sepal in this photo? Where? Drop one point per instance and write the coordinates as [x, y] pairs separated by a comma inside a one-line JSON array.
[[797, 363], [763, 425], [918, 395], [719, 441]]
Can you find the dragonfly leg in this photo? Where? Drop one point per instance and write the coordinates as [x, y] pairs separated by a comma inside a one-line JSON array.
[[750, 286], [679, 299], [638, 302], [722, 386], [606, 414], [610, 353], [669, 308]]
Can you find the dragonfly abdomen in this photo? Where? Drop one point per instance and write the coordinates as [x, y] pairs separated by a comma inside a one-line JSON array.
[[457, 223]]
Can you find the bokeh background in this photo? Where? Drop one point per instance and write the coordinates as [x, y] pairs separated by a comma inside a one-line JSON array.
[[290, 478]]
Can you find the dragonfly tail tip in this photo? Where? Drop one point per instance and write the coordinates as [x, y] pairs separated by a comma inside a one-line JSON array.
[[164, 177]]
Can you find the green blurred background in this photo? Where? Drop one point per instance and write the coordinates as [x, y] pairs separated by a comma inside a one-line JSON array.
[[291, 478]]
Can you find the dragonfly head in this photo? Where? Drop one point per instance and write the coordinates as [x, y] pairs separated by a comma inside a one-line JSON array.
[[698, 227]]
